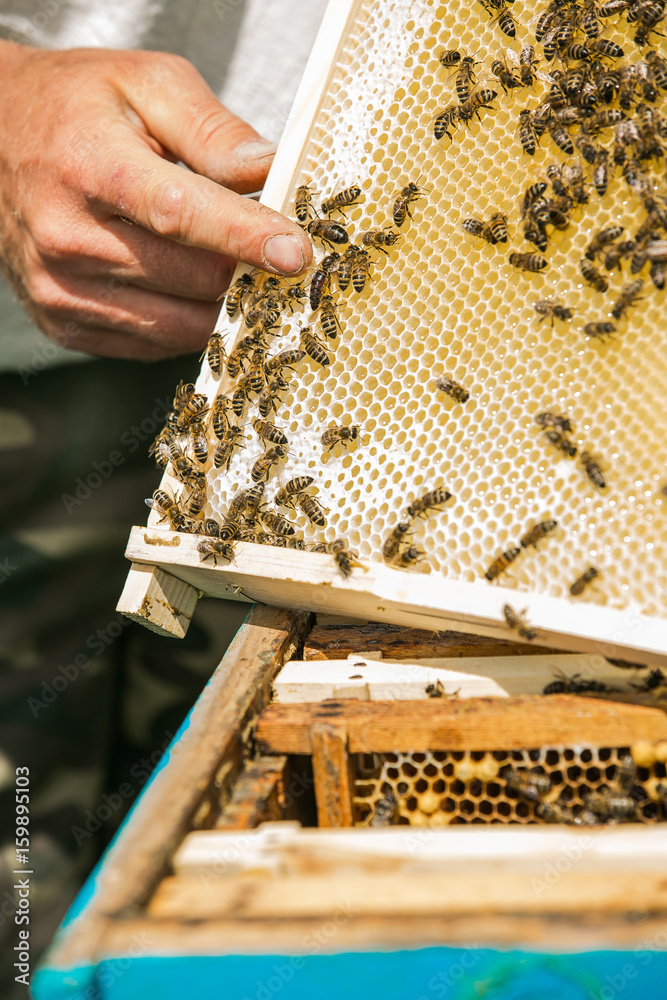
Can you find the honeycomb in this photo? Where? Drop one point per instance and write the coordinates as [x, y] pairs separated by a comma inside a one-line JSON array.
[[451, 787], [443, 302]]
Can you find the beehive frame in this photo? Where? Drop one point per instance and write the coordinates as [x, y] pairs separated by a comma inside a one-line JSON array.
[[371, 485]]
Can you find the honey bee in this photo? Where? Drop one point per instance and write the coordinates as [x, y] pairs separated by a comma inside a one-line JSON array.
[[401, 208], [269, 432], [601, 239], [196, 500], [196, 406], [314, 347], [465, 79], [658, 274], [251, 498], [240, 399], [527, 64], [342, 434], [211, 548], [396, 538], [167, 506], [500, 564], [181, 464], [214, 352], [658, 68], [445, 120], [556, 420], [262, 467], [553, 309], [532, 195], [605, 47], [303, 203], [478, 99], [436, 690], [285, 496], [239, 503], [601, 172], [508, 79], [449, 57], [378, 239], [329, 317], [385, 810], [505, 22], [429, 501], [198, 440], [606, 804], [575, 179], [224, 451], [208, 526], [239, 357], [553, 812], [530, 785], [320, 283], [341, 200], [345, 559], [344, 270], [452, 388], [555, 436], [360, 269], [576, 684], [243, 285], [266, 314], [183, 395], [275, 523], [592, 469], [294, 295], [286, 359], [268, 399], [560, 136], [518, 624], [311, 508], [409, 557], [629, 296], [591, 275], [227, 530], [328, 232], [599, 330], [537, 533], [528, 261]]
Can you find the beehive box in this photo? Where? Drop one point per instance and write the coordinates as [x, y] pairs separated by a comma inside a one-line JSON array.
[[230, 869], [445, 303]]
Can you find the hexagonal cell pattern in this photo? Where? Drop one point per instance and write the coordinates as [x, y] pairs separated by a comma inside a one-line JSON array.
[[446, 788], [443, 302]]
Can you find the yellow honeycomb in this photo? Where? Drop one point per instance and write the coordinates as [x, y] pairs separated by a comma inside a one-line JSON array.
[[442, 788], [444, 302]]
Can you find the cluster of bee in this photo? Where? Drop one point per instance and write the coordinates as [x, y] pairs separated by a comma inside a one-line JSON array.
[[261, 300], [529, 540], [469, 101], [616, 801], [555, 428], [397, 548]]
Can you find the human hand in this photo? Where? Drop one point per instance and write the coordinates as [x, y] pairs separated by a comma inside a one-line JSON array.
[[90, 143]]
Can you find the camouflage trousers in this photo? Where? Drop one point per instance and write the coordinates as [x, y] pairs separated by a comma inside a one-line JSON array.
[[88, 701]]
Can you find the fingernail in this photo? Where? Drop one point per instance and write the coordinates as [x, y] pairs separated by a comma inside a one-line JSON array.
[[255, 150], [284, 254]]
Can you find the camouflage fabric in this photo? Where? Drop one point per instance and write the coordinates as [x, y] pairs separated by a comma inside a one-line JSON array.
[[88, 701]]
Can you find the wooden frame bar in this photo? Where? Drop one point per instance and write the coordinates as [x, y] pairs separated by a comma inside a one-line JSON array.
[[482, 724]]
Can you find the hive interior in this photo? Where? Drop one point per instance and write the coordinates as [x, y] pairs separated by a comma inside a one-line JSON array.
[[443, 302], [453, 787]]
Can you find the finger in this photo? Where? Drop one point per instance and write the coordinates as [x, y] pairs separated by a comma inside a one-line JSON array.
[[102, 342], [186, 117], [130, 253], [193, 210], [175, 325]]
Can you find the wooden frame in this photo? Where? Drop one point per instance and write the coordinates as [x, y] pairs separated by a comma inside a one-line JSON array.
[[282, 884], [311, 582]]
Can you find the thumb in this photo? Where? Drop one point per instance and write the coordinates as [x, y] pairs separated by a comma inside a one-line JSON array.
[[184, 115]]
